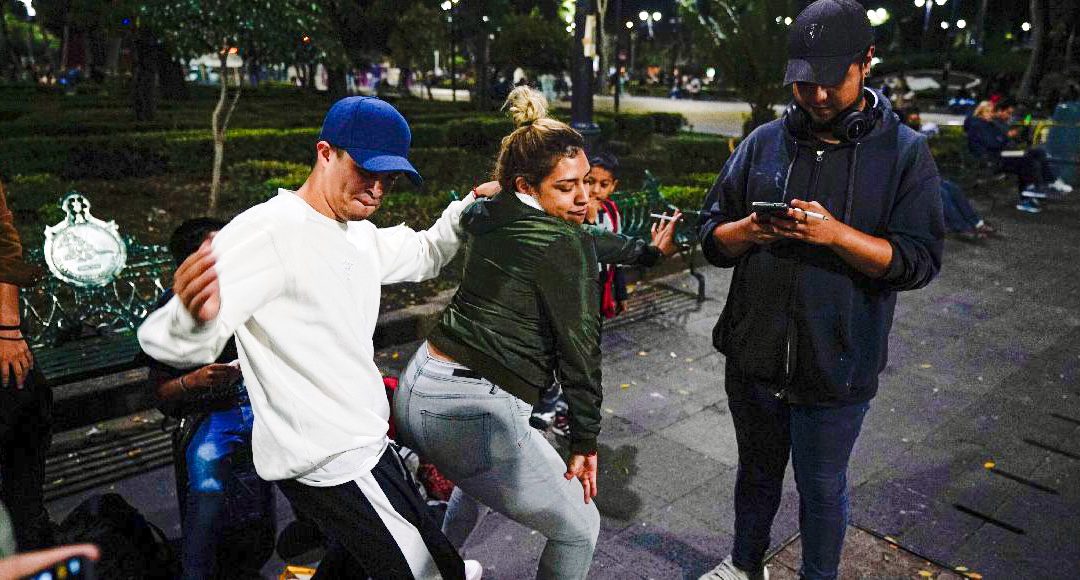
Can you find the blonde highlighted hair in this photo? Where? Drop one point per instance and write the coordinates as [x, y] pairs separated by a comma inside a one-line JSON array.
[[536, 145], [984, 111]]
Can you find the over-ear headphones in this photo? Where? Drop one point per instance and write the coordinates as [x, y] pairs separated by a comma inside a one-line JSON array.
[[851, 124]]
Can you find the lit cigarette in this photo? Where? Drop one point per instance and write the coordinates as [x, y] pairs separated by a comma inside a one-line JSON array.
[[662, 217], [813, 214]]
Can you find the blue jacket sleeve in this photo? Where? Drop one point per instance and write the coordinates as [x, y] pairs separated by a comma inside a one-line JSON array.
[[916, 228], [725, 202]]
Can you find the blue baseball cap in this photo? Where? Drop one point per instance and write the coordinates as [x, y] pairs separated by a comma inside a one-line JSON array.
[[374, 133]]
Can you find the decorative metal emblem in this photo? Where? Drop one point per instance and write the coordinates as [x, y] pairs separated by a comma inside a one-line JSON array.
[[83, 250]]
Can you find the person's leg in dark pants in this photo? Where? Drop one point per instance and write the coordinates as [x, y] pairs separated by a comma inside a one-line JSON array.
[[763, 438], [821, 442], [380, 521], [959, 215], [25, 434]]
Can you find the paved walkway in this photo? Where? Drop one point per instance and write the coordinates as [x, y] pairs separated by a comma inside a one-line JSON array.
[[718, 117]]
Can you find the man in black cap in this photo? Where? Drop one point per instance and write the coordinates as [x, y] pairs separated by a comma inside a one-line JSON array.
[[806, 324]]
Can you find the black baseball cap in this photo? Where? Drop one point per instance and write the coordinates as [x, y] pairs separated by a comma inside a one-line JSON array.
[[824, 40]]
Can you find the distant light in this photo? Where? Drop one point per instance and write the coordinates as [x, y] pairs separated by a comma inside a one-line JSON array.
[[1008, 36], [920, 3], [1026, 27], [629, 24], [643, 15], [569, 29], [710, 73], [940, 2], [485, 19], [446, 5], [779, 19], [656, 16], [944, 25], [961, 24], [787, 21], [306, 39], [877, 17], [233, 50], [126, 22], [875, 61]]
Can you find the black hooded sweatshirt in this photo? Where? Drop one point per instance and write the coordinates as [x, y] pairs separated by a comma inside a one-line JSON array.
[[797, 316]]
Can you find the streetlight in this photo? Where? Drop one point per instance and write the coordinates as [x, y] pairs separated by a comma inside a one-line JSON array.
[[448, 7], [944, 25], [961, 24], [878, 17], [1026, 27]]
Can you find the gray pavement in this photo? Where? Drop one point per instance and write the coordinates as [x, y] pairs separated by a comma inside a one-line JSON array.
[[984, 367]]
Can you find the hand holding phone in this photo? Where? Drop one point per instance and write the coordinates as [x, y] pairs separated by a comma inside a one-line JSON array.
[[74, 562], [773, 209]]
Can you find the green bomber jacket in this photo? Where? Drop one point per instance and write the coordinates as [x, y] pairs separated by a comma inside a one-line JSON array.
[[527, 312]]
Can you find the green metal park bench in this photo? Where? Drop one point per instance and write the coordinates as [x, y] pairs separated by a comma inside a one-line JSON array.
[[80, 320], [636, 210]]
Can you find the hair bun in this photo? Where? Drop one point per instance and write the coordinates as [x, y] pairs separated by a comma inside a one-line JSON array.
[[526, 106]]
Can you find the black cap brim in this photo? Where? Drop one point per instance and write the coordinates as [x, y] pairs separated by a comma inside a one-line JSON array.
[[828, 71]]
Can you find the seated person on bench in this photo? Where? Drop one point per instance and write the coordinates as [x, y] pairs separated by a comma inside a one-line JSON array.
[[990, 138], [213, 452]]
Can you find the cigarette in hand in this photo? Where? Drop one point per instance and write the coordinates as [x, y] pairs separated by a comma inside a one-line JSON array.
[[662, 217], [814, 214]]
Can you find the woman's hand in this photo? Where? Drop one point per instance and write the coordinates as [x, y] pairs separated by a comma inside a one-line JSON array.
[[584, 468], [488, 189], [663, 234]]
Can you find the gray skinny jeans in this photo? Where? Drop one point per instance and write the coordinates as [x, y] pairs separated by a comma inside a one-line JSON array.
[[478, 435]]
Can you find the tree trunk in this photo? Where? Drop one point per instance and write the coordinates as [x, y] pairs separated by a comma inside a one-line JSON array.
[[64, 48], [602, 81], [144, 92], [335, 82], [1038, 35], [219, 123], [172, 77], [760, 113], [9, 47]]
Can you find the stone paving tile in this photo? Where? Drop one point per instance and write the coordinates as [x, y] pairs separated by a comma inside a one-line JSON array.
[[710, 432], [865, 557], [669, 544]]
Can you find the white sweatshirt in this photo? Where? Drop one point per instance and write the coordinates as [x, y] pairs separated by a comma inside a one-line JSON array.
[[301, 293]]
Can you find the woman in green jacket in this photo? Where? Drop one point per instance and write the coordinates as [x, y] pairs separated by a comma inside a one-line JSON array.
[[526, 314]]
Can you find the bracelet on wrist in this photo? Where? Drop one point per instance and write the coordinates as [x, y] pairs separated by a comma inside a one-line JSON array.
[[183, 387]]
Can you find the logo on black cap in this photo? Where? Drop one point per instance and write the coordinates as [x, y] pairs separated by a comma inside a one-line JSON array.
[[814, 32]]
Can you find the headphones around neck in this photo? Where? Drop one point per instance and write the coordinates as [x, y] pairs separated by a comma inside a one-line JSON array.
[[850, 125]]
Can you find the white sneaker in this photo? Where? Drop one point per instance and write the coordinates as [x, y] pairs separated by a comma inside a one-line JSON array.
[[727, 571], [1061, 186], [473, 570]]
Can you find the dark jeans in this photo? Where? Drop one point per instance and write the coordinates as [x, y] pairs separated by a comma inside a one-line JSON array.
[[225, 496], [1032, 169], [819, 441], [959, 215], [25, 434]]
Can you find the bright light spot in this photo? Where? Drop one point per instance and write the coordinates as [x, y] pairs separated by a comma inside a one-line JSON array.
[[1008, 36], [944, 25], [643, 15], [877, 17], [446, 5], [961, 24], [711, 73], [779, 19], [875, 61], [940, 2], [30, 11], [569, 18], [920, 3], [787, 21], [485, 19], [656, 16], [1026, 27], [629, 24], [569, 29]]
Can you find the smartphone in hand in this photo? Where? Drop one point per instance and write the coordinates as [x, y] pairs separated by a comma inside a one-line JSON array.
[[773, 209]]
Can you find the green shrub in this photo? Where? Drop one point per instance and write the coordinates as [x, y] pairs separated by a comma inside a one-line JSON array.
[[667, 123], [428, 135], [477, 134], [684, 197]]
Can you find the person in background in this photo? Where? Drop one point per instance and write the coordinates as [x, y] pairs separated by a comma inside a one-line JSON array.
[[990, 138], [960, 216], [213, 444]]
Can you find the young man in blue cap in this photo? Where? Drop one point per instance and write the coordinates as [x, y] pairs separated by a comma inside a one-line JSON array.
[[297, 280], [806, 325]]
